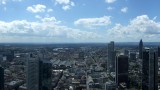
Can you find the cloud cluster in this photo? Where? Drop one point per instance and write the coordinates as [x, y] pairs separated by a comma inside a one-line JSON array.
[[110, 8], [66, 4], [124, 9], [110, 1], [47, 27], [139, 27], [93, 22], [36, 8], [5, 1]]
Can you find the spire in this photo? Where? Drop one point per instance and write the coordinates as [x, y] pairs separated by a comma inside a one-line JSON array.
[[140, 49], [141, 42]]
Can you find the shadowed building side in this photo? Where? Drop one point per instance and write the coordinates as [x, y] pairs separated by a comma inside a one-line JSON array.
[[1, 78], [140, 49], [122, 72]]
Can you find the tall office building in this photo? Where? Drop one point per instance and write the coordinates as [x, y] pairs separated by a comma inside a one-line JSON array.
[[158, 69], [153, 67], [132, 56], [111, 57], [122, 72], [45, 75], [141, 49], [1, 78], [149, 70], [32, 73], [145, 70], [39, 74], [158, 51]]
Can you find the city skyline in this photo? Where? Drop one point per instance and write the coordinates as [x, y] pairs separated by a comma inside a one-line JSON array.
[[76, 21], [79, 67]]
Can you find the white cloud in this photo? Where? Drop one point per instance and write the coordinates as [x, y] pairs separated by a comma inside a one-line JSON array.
[[47, 28], [50, 10], [17, 0], [72, 4], [36, 8], [66, 4], [93, 22], [124, 9], [110, 1], [50, 20], [38, 17], [109, 8], [62, 1], [139, 27], [5, 1], [155, 18], [67, 7]]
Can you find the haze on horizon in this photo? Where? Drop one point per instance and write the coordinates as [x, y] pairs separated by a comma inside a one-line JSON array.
[[75, 21]]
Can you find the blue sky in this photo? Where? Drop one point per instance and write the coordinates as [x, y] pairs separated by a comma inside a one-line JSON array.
[[74, 21]]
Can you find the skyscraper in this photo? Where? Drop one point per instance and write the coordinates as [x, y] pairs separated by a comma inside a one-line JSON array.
[[1, 78], [122, 71], [153, 63], [32, 73], [145, 70], [45, 75], [158, 51], [132, 56], [39, 74], [140, 49], [158, 68], [149, 70], [111, 57]]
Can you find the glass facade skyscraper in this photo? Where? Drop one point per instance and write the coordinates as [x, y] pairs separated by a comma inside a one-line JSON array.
[[122, 71], [111, 57], [141, 49], [39, 74], [1, 78], [149, 69]]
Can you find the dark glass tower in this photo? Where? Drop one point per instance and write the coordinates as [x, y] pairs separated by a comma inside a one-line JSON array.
[[122, 71], [32, 73], [45, 75], [158, 51], [39, 74], [149, 70], [141, 49], [111, 57], [153, 63], [1, 78], [145, 70], [158, 69]]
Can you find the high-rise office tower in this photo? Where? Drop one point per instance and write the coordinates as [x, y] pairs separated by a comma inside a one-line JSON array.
[[141, 49], [132, 56], [1, 78], [158, 69], [39, 74], [149, 70], [153, 64], [111, 57], [145, 70], [32, 73], [45, 75], [122, 71], [158, 51]]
